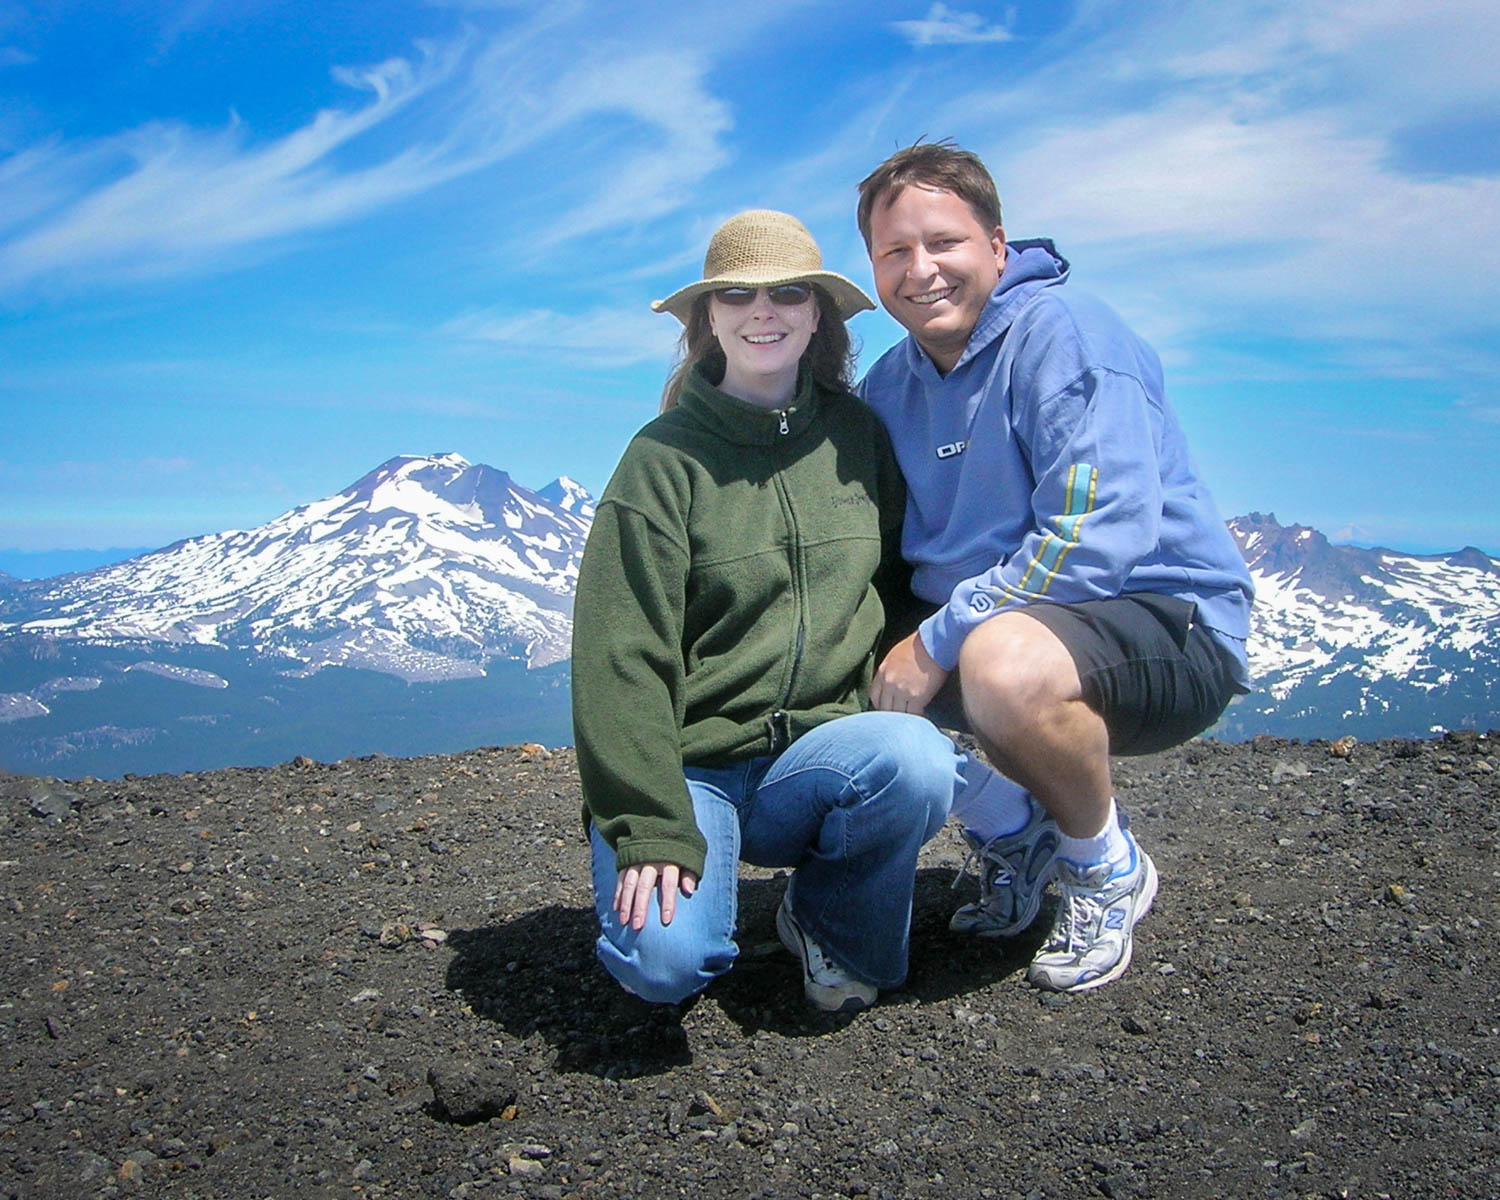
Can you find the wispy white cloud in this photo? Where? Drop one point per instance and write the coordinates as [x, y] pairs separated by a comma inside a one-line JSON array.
[[1486, 411], [166, 199], [601, 337], [665, 93], [185, 18], [483, 5], [1236, 175], [13, 56], [1256, 186], [125, 475], [1231, 184], [944, 26]]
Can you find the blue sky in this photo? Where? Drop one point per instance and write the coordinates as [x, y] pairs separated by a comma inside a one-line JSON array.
[[250, 249]]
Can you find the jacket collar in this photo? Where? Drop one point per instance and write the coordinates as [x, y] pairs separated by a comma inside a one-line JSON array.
[[747, 424]]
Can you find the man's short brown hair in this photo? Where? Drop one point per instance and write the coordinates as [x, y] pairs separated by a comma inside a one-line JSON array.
[[936, 165]]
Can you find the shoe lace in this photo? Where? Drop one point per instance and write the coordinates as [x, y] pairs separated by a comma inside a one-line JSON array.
[[823, 968], [1081, 912], [995, 871]]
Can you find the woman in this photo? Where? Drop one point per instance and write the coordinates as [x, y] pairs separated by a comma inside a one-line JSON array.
[[725, 626]]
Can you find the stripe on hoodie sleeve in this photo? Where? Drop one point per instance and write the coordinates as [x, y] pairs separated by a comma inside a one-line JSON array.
[[1078, 503]]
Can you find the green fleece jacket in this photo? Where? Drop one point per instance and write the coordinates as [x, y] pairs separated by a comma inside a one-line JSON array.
[[728, 600]]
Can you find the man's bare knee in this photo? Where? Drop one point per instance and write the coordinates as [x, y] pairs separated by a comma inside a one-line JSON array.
[[1014, 665]]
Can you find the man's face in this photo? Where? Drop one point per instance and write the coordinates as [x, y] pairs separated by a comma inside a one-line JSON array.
[[935, 267]]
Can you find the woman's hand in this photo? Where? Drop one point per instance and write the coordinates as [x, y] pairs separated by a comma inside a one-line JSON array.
[[634, 887], [907, 678]]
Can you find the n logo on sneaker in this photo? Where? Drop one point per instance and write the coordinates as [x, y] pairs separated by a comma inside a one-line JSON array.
[[1114, 919]]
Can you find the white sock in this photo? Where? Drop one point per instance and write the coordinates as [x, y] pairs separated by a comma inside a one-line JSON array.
[[1108, 845], [989, 805]]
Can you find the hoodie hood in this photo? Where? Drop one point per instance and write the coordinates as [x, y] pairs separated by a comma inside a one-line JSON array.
[[1030, 265]]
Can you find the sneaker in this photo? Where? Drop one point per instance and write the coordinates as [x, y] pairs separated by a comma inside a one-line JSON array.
[[825, 984], [1091, 938], [1013, 874]]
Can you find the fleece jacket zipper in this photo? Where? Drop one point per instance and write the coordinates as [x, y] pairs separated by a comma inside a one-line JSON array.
[[780, 720]]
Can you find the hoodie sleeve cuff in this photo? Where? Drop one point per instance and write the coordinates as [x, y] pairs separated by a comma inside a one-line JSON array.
[[942, 638]]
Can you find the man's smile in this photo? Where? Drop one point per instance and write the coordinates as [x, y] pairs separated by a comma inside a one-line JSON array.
[[932, 297]]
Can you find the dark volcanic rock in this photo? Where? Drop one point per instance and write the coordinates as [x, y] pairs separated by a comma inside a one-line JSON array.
[[301, 980], [466, 1091]]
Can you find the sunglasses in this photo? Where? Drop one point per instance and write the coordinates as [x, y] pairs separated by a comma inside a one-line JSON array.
[[783, 295]]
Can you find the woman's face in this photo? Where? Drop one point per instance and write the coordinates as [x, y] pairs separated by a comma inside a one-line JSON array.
[[763, 341]]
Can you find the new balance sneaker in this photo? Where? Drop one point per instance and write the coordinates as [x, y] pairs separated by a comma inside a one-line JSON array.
[[826, 985], [1092, 935], [1013, 874]]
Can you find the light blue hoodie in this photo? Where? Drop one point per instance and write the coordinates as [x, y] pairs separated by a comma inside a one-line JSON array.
[[1047, 465]]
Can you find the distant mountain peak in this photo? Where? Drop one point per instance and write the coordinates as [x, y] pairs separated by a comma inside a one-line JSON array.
[[448, 562], [569, 495], [444, 488], [1473, 556], [1376, 641]]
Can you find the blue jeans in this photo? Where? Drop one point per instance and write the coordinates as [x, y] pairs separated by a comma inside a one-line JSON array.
[[848, 805]]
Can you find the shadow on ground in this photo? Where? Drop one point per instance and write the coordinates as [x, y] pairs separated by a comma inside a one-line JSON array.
[[536, 974]]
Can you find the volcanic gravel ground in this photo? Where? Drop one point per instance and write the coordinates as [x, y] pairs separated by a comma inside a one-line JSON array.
[[376, 978]]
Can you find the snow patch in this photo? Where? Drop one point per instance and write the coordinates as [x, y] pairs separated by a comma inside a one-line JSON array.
[[69, 683], [17, 706], [382, 650], [205, 679]]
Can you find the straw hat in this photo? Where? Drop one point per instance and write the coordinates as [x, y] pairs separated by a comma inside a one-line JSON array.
[[762, 248]]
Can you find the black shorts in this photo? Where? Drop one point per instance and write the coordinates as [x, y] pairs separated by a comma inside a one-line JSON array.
[[1154, 675]]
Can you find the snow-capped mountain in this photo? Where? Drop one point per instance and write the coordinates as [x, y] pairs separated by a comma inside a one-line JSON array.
[[454, 579], [426, 568], [1370, 642], [570, 496]]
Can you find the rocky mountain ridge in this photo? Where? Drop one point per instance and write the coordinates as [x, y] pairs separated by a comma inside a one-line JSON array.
[[449, 578], [1372, 642]]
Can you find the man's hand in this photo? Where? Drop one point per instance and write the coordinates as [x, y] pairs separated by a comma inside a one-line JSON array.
[[907, 679], [634, 887]]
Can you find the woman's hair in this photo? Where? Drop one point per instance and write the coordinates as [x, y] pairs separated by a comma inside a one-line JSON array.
[[829, 353]]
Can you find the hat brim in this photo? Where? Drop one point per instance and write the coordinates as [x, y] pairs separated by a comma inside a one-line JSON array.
[[846, 296]]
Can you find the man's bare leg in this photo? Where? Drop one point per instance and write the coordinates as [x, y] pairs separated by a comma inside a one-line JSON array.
[[1024, 701]]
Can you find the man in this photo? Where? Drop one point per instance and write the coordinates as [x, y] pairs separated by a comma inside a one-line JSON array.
[[1075, 590]]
